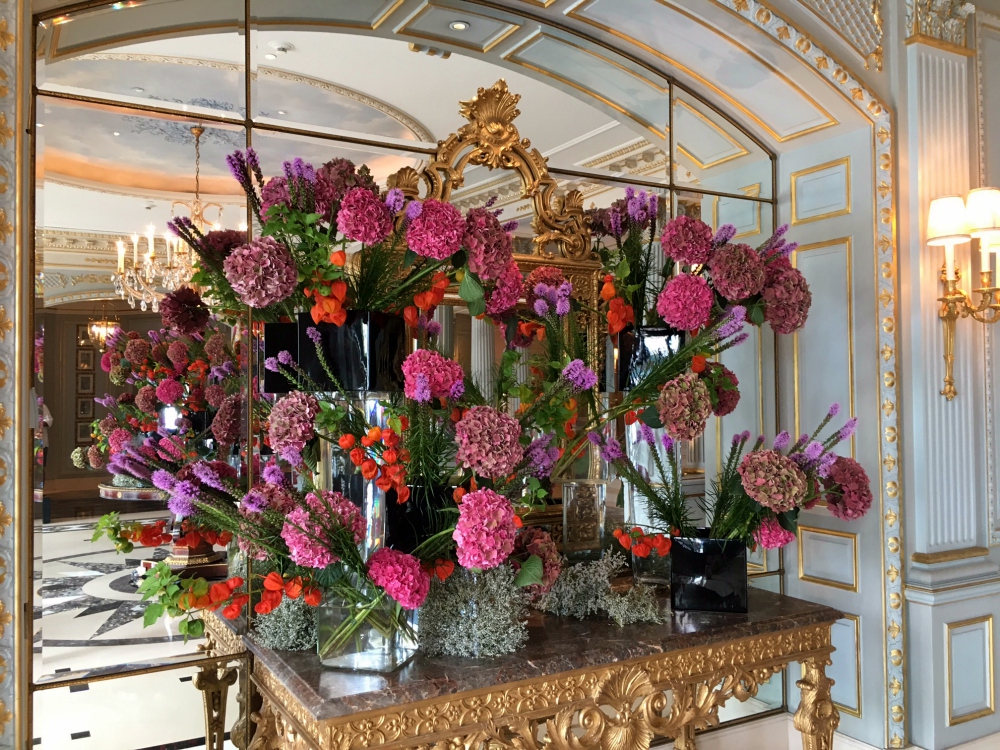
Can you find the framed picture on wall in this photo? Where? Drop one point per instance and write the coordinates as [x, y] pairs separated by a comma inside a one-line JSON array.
[[85, 408], [82, 433], [85, 360], [82, 335], [85, 383]]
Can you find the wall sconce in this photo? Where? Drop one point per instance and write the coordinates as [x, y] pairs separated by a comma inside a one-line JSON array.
[[950, 222]]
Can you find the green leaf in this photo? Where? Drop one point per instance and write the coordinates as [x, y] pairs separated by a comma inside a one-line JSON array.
[[530, 572], [152, 614], [196, 628], [757, 314], [409, 258], [476, 307], [182, 627], [651, 417], [470, 289], [200, 587], [623, 270]]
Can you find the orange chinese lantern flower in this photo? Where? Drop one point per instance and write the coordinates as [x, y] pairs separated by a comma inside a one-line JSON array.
[[698, 363], [346, 442], [338, 258], [369, 468]]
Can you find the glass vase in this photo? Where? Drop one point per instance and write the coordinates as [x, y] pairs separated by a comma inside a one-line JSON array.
[[371, 636], [651, 570], [583, 519]]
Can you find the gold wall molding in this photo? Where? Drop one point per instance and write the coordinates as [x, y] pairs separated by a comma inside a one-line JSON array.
[[951, 555], [796, 176], [936, 20], [857, 22], [987, 622], [803, 576]]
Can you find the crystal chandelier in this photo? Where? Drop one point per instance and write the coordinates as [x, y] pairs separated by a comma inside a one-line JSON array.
[[151, 276]]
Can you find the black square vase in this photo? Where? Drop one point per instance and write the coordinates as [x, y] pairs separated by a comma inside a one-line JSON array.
[[708, 575]]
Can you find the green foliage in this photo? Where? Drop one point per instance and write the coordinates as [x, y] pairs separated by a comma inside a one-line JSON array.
[[530, 573]]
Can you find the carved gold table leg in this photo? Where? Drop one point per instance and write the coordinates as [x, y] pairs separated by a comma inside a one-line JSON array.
[[685, 740], [816, 718], [215, 682]]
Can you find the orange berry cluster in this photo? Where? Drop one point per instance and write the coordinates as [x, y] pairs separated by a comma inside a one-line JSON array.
[[642, 544], [620, 312], [385, 464], [329, 307]]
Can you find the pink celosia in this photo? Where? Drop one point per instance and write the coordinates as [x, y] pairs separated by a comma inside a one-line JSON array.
[[773, 480], [363, 217], [786, 301], [169, 391], [771, 535], [489, 246], [685, 302], [177, 353], [307, 528], [106, 363], [687, 240], [437, 232], [737, 271], [849, 494], [291, 426], [485, 531], [488, 442], [401, 576], [215, 394], [427, 375], [118, 439], [684, 406], [548, 275], [146, 399], [507, 291], [262, 272], [534, 541], [136, 351]]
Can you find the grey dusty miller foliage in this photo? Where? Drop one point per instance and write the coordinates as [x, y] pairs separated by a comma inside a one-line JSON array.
[[474, 614], [290, 627], [585, 589]]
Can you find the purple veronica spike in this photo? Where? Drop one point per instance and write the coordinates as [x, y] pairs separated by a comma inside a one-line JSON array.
[[510, 226], [668, 443], [848, 429], [616, 223], [433, 328], [781, 441], [562, 307], [541, 307], [833, 411], [725, 233], [272, 473], [653, 205], [646, 434], [594, 438], [814, 450], [422, 392], [457, 390], [491, 201], [612, 451], [163, 480]]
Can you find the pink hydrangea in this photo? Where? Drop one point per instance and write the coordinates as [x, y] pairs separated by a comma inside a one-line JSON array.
[[548, 275], [437, 232], [428, 375], [262, 272], [534, 541], [307, 527], [363, 217], [507, 292], [489, 246], [267, 496], [292, 419], [106, 363], [849, 494], [273, 193], [118, 439], [401, 576], [771, 535], [335, 178], [685, 302], [146, 399], [726, 398], [485, 531], [684, 406], [488, 442], [170, 391], [773, 480], [687, 240], [787, 300], [227, 425], [737, 271]]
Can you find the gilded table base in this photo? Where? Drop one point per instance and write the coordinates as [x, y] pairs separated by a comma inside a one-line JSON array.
[[622, 706]]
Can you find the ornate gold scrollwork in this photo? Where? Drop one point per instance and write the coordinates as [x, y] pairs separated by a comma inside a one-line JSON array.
[[215, 682], [816, 718]]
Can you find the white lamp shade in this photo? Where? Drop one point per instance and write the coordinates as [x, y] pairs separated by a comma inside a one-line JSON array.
[[946, 223], [982, 212]]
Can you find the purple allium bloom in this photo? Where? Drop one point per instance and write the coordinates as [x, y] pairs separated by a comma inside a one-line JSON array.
[[581, 377], [612, 451], [594, 438], [726, 232], [271, 363], [457, 390], [394, 200], [848, 429], [272, 473], [646, 434], [285, 357], [541, 307], [163, 480], [781, 440], [314, 335], [833, 411], [433, 328], [814, 450], [413, 210], [422, 392]]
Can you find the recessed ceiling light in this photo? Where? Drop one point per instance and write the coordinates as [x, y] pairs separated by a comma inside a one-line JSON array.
[[459, 25], [282, 112], [138, 89], [270, 56]]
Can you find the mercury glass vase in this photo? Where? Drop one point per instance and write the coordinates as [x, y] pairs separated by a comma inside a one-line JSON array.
[[363, 638], [583, 518]]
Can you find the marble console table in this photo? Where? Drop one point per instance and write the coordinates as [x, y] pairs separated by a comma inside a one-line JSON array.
[[588, 684]]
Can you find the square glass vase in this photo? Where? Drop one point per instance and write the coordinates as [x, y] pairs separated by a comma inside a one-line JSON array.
[[364, 640], [651, 570]]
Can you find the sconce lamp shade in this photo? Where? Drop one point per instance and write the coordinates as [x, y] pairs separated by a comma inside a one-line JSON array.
[[946, 224], [982, 213]]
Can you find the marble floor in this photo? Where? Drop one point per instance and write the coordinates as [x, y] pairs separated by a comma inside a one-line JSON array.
[[88, 619]]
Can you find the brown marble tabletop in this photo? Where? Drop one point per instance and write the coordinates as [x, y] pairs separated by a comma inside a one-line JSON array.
[[555, 644]]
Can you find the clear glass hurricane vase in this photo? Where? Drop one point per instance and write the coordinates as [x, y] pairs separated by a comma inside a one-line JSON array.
[[365, 636]]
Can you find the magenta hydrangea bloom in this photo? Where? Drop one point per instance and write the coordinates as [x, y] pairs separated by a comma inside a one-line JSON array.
[[773, 480], [534, 541], [169, 391], [267, 496], [274, 192], [507, 291], [685, 302], [684, 406], [849, 494], [485, 531], [787, 300], [687, 240], [737, 271], [262, 272], [437, 232], [428, 374], [770, 535], [488, 442], [363, 217], [292, 424], [489, 246], [401, 576], [306, 525]]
